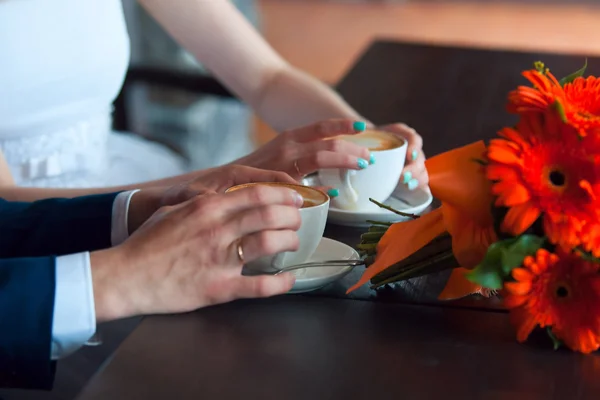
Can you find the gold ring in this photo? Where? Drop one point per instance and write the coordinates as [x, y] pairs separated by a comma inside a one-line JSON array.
[[240, 251], [297, 169]]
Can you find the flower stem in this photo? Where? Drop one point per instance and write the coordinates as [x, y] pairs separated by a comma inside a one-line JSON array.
[[403, 214], [371, 237], [379, 223]]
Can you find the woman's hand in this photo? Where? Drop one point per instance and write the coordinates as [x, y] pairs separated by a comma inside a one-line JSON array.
[[302, 151], [414, 174]]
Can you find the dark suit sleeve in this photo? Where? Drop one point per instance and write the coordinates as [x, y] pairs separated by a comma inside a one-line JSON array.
[[27, 288], [55, 226]]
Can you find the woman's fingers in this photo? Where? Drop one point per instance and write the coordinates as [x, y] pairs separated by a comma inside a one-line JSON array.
[[415, 175], [327, 159], [337, 146], [413, 139], [325, 129]]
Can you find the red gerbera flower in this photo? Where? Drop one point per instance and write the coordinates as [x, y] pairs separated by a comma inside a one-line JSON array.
[[561, 291], [580, 99], [542, 167]]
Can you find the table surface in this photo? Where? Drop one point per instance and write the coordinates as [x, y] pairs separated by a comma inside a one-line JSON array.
[[299, 347]]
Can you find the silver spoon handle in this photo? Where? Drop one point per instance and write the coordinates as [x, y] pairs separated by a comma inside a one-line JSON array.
[[329, 263]]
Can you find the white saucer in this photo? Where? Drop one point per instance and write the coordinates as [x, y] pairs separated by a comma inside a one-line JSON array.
[[314, 278], [411, 202]]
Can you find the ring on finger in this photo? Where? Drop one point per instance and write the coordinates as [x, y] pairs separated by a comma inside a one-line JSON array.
[[296, 168], [240, 251]]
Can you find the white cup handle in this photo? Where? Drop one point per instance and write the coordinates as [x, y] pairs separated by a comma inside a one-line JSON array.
[[350, 194]]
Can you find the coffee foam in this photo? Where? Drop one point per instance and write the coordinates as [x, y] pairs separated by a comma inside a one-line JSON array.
[[375, 140], [312, 197]]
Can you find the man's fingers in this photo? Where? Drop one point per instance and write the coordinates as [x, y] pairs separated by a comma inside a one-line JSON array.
[[259, 219], [258, 195], [326, 129], [243, 174], [266, 243], [263, 286]]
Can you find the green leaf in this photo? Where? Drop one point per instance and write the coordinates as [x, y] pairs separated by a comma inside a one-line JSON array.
[[574, 75], [488, 272], [480, 162], [586, 255], [515, 252], [556, 341], [558, 107], [501, 258]]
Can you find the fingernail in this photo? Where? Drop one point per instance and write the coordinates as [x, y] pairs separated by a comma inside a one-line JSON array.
[[414, 155], [412, 184], [407, 177], [298, 199], [333, 192], [372, 159], [362, 163], [359, 126]]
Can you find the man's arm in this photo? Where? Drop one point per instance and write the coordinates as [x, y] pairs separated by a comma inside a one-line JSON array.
[[27, 289], [47, 308], [55, 226]]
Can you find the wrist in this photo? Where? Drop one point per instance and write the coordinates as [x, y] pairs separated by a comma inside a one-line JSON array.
[[111, 299], [141, 207]]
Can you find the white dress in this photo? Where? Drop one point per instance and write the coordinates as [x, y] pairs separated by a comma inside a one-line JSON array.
[[62, 63]]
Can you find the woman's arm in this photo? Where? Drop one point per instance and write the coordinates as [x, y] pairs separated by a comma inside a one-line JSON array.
[[10, 192], [229, 46]]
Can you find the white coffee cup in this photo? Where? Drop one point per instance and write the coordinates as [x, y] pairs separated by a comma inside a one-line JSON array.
[[377, 181], [314, 217]]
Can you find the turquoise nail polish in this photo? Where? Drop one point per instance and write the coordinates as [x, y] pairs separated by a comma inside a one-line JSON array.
[[359, 126], [414, 155], [407, 177], [412, 184], [372, 159], [362, 163], [333, 192]]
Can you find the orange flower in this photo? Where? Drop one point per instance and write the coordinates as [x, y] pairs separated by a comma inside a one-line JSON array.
[[561, 291], [543, 167], [461, 186], [580, 99], [583, 100], [545, 91]]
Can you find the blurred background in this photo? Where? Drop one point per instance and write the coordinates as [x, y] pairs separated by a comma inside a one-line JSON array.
[[324, 38], [338, 31]]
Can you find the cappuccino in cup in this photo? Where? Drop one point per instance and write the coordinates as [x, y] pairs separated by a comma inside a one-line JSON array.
[[377, 181], [375, 140], [313, 214]]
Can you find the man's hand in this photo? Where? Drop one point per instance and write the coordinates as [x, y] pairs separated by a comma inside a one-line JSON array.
[[212, 181], [187, 256]]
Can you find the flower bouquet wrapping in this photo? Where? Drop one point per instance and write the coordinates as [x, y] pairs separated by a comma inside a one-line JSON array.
[[519, 217]]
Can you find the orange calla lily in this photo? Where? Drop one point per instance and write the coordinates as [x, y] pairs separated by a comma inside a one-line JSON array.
[[459, 182]]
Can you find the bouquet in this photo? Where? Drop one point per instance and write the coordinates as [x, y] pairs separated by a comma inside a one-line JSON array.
[[519, 217]]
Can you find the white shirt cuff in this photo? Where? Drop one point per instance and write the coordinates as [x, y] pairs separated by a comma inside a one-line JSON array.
[[119, 230], [74, 319]]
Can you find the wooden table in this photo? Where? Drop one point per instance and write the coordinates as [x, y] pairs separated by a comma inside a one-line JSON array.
[[326, 346]]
